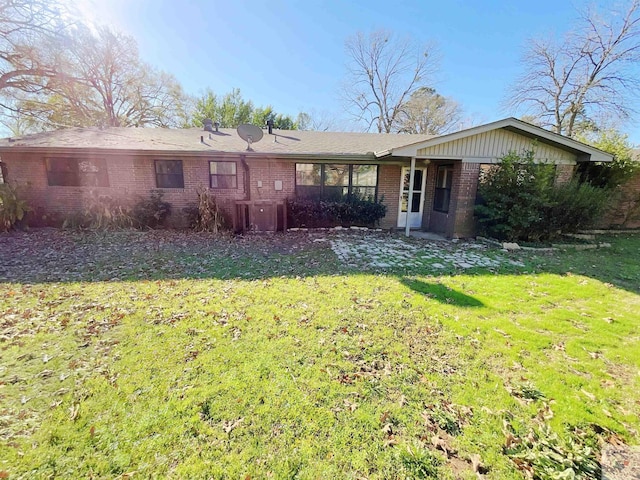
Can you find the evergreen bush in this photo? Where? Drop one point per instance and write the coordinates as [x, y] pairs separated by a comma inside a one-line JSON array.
[[518, 200], [350, 211]]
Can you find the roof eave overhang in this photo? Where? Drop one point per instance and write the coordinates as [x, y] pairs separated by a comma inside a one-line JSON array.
[[317, 157]]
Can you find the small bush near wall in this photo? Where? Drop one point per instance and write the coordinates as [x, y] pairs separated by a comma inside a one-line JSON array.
[[151, 212], [520, 201], [351, 211], [12, 208], [206, 216]]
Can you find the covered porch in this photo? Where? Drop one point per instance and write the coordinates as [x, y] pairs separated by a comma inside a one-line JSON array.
[[438, 185]]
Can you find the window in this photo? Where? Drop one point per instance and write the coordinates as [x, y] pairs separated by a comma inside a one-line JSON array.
[[76, 172], [444, 179], [332, 181], [336, 181], [169, 174], [365, 181], [3, 173], [309, 180], [223, 175]]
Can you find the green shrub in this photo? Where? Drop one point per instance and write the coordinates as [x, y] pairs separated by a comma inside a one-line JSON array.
[[513, 197], [12, 208], [151, 212], [206, 216], [574, 206], [350, 211], [519, 201]]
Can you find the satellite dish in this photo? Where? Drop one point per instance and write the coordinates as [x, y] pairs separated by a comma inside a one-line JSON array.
[[249, 133]]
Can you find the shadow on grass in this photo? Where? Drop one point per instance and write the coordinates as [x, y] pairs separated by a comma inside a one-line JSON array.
[[441, 293], [50, 255]]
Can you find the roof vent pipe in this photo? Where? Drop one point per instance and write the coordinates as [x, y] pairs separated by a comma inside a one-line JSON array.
[[270, 126], [216, 125], [208, 125]]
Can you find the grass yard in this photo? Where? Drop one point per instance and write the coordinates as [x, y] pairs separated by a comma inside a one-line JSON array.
[[172, 355]]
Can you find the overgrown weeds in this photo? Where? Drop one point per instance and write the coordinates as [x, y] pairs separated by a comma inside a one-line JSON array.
[[206, 215], [104, 212], [12, 208]]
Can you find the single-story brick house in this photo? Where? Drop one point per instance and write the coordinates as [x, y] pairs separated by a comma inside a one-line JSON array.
[[427, 182]]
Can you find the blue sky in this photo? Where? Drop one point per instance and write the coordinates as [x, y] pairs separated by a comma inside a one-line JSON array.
[[290, 54]]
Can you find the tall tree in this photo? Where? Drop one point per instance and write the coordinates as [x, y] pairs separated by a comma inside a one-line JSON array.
[[105, 83], [592, 72], [428, 112], [231, 110], [383, 72], [31, 32]]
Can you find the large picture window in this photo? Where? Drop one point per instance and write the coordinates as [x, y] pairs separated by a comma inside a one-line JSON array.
[[223, 174], [444, 180], [334, 181], [77, 172], [169, 174]]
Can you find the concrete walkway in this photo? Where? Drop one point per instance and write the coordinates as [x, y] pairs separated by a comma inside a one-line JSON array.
[[390, 252]]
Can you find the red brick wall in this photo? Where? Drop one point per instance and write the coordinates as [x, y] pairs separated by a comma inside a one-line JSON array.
[[389, 187], [564, 173], [625, 212], [129, 178], [132, 176], [465, 200]]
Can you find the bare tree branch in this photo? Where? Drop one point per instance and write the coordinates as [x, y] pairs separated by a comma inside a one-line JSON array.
[[382, 74], [592, 72]]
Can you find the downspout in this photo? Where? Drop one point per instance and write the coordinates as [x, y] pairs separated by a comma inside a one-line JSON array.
[[247, 194], [247, 179], [412, 176]]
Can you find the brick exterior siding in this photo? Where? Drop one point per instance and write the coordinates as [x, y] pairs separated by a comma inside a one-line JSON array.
[[464, 225], [389, 190], [564, 173], [133, 176], [625, 211]]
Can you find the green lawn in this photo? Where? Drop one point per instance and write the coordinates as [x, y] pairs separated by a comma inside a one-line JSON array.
[[168, 355]]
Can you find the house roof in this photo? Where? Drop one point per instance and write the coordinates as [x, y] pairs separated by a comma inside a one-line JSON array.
[[582, 150], [281, 143]]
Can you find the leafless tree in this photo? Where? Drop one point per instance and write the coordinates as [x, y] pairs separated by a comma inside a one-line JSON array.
[[319, 121], [428, 112], [593, 72], [383, 72]]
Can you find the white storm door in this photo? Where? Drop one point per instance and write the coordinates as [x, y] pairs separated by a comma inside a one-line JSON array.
[[411, 199]]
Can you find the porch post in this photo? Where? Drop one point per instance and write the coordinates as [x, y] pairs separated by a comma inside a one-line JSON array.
[[412, 176]]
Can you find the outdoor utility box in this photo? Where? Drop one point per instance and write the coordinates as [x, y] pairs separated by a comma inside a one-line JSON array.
[[260, 216]]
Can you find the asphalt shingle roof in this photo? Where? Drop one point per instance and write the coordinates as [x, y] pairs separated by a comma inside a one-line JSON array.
[[282, 142]]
